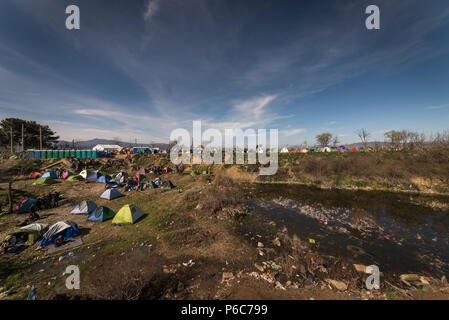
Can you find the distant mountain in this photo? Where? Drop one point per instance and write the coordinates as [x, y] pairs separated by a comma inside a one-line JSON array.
[[92, 143]]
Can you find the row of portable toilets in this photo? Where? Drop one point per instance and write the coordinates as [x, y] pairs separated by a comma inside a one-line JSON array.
[[61, 154]]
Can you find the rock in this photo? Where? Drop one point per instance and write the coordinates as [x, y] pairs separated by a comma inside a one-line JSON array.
[[339, 285], [409, 278], [227, 276], [259, 244], [360, 268], [277, 242], [259, 267], [261, 253]]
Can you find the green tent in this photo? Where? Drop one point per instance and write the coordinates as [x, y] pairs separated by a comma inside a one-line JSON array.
[[33, 233], [101, 214], [75, 178], [44, 181], [13, 157]]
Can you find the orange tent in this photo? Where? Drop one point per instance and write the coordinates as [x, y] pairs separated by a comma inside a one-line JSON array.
[[35, 175], [354, 150]]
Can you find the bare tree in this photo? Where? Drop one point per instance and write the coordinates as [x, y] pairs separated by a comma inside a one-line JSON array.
[[336, 141], [364, 136]]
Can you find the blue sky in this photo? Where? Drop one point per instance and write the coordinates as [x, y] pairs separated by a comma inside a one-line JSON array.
[[139, 69]]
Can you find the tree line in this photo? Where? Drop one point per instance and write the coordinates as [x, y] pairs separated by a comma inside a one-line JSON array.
[[25, 134]]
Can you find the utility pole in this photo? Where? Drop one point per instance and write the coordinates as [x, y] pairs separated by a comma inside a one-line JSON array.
[[12, 151], [40, 137], [23, 141]]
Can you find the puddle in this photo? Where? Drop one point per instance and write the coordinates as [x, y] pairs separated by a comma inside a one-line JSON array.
[[393, 231]]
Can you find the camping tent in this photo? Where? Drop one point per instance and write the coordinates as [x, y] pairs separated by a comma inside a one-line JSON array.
[[34, 232], [101, 214], [50, 174], [84, 174], [13, 157], [68, 229], [75, 178], [94, 175], [66, 174], [103, 179], [44, 181], [84, 207], [121, 177], [304, 151], [284, 150], [110, 194], [354, 150], [35, 175], [25, 205], [129, 213]]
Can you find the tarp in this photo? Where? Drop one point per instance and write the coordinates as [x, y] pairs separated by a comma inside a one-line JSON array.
[[50, 174], [129, 213], [110, 194], [84, 207], [68, 229], [101, 214], [25, 205], [75, 178], [44, 181]]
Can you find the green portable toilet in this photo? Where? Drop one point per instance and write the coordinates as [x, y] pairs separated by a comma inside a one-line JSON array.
[[78, 154], [43, 154], [83, 154], [94, 154], [89, 154], [54, 154], [66, 153], [58, 154], [72, 153]]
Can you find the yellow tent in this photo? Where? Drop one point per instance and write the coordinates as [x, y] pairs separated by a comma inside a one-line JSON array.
[[129, 213]]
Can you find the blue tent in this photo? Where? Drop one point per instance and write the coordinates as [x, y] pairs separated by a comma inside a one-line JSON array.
[[94, 175], [67, 229], [110, 194], [50, 174], [103, 179]]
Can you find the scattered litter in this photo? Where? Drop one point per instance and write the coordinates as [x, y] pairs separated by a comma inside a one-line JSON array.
[[31, 295], [70, 253], [189, 263], [311, 240], [55, 263], [142, 244]]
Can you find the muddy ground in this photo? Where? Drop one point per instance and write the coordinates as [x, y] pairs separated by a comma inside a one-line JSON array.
[[204, 239]]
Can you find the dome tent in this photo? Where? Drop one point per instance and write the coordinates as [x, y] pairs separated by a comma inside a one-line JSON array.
[[67, 229], [128, 214], [101, 214], [103, 179], [75, 178], [110, 194], [94, 175], [84, 174], [25, 205], [44, 181], [34, 232], [84, 207], [50, 174]]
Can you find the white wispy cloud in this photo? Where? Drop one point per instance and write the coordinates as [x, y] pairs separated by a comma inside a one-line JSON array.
[[151, 8], [437, 107], [292, 132]]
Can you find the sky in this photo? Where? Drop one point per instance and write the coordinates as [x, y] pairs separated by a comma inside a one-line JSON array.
[[136, 70]]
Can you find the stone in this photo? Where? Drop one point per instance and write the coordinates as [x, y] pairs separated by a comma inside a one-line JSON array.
[[227, 276], [360, 268], [259, 244], [277, 242], [339, 285], [259, 267]]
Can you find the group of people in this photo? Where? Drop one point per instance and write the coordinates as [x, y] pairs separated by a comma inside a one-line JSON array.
[[46, 202]]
